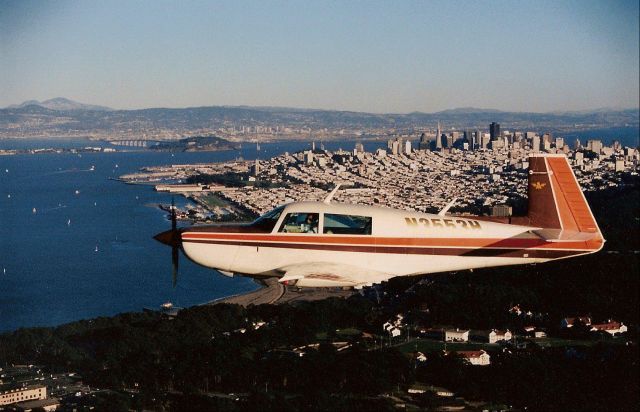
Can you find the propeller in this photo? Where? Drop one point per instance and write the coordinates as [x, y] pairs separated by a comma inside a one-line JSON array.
[[172, 238]]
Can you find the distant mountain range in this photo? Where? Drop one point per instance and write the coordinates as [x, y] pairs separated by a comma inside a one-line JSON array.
[[60, 103], [64, 117]]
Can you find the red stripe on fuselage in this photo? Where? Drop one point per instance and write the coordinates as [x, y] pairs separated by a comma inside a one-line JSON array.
[[427, 251], [400, 242]]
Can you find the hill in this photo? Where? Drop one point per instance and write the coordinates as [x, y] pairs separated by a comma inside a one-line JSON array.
[[62, 117], [60, 104]]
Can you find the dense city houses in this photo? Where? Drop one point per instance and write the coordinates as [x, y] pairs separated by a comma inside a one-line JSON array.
[[484, 172]]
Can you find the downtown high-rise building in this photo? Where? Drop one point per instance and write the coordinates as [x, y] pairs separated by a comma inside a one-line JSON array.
[[484, 142], [468, 138], [494, 130], [451, 137], [535, 143]]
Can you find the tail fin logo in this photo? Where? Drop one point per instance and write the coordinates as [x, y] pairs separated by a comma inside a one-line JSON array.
[[538, 185]]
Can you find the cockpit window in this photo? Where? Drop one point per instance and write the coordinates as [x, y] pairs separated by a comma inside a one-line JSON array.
[[347, 224], [268, 221], [300, 223]]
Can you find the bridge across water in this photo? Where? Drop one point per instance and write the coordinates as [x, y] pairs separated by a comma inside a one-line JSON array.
[[134, 142]]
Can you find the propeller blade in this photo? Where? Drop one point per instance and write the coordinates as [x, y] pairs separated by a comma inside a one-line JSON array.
[[173, 216], [172, 238], [175, 253]]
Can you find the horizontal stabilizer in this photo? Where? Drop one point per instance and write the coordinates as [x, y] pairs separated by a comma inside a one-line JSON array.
[[555, 235]]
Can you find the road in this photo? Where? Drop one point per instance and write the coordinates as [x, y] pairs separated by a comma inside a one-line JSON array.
[[275, 292]]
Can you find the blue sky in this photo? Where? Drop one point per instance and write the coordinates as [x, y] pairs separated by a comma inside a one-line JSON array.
[[377, 56]]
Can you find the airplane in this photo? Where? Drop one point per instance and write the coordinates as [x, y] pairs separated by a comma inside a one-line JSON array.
[[325, 244]]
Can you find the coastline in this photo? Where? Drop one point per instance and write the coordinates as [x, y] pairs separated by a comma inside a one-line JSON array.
[[270, 291], [274, 292]]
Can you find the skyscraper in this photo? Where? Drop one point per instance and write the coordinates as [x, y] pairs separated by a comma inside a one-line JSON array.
[[438, 138], [535, 143], [468, 138], [494, 130], [450, 140], [484, 142], [407, 147], [577, 145]]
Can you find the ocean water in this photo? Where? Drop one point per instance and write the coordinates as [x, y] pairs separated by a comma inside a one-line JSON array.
[[627, 136]]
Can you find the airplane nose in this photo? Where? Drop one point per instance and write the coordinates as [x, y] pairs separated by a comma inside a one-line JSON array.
[[169, 237]]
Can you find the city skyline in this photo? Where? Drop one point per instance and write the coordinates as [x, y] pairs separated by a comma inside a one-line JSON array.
[[374, 57]]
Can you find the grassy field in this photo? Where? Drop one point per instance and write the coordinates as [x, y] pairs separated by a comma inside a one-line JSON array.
[[214, 201], [559, 342], [429, 345]]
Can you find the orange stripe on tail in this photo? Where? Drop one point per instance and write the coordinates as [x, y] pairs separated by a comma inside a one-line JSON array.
[[556, 202], [574, 210]]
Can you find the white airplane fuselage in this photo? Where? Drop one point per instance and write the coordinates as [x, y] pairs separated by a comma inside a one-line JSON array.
[[402, 243]]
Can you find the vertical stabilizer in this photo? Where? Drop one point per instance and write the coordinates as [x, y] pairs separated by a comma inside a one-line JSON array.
[[556, 201]]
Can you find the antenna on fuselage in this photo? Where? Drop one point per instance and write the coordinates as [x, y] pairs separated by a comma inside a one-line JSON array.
[[327, 199], [447, 207]]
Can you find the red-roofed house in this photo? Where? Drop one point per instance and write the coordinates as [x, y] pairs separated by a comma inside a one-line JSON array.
[[476, 357], [611, 327]]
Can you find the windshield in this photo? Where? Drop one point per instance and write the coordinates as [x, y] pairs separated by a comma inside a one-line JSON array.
[[268, 221]]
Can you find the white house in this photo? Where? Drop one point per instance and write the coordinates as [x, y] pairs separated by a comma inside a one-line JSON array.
[[539, 333], [456, 335], [395, 332], [476, 357], [492, 336], [503, 335]]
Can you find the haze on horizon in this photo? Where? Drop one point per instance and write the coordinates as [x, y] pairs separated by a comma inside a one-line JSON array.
[[380, 57]]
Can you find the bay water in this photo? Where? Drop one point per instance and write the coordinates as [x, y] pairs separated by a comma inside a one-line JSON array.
[[75, 244]]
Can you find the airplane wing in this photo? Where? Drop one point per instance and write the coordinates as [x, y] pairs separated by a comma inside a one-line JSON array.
[[321, 274]]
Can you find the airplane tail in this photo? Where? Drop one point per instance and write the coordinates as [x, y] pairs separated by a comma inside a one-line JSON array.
[[556, 202]]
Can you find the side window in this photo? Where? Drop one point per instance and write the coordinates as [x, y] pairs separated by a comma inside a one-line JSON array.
[[267, 221], [300, 223], [347, 224]]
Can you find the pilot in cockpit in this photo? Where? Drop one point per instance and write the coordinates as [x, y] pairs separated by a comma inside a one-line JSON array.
[[310, 224]]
